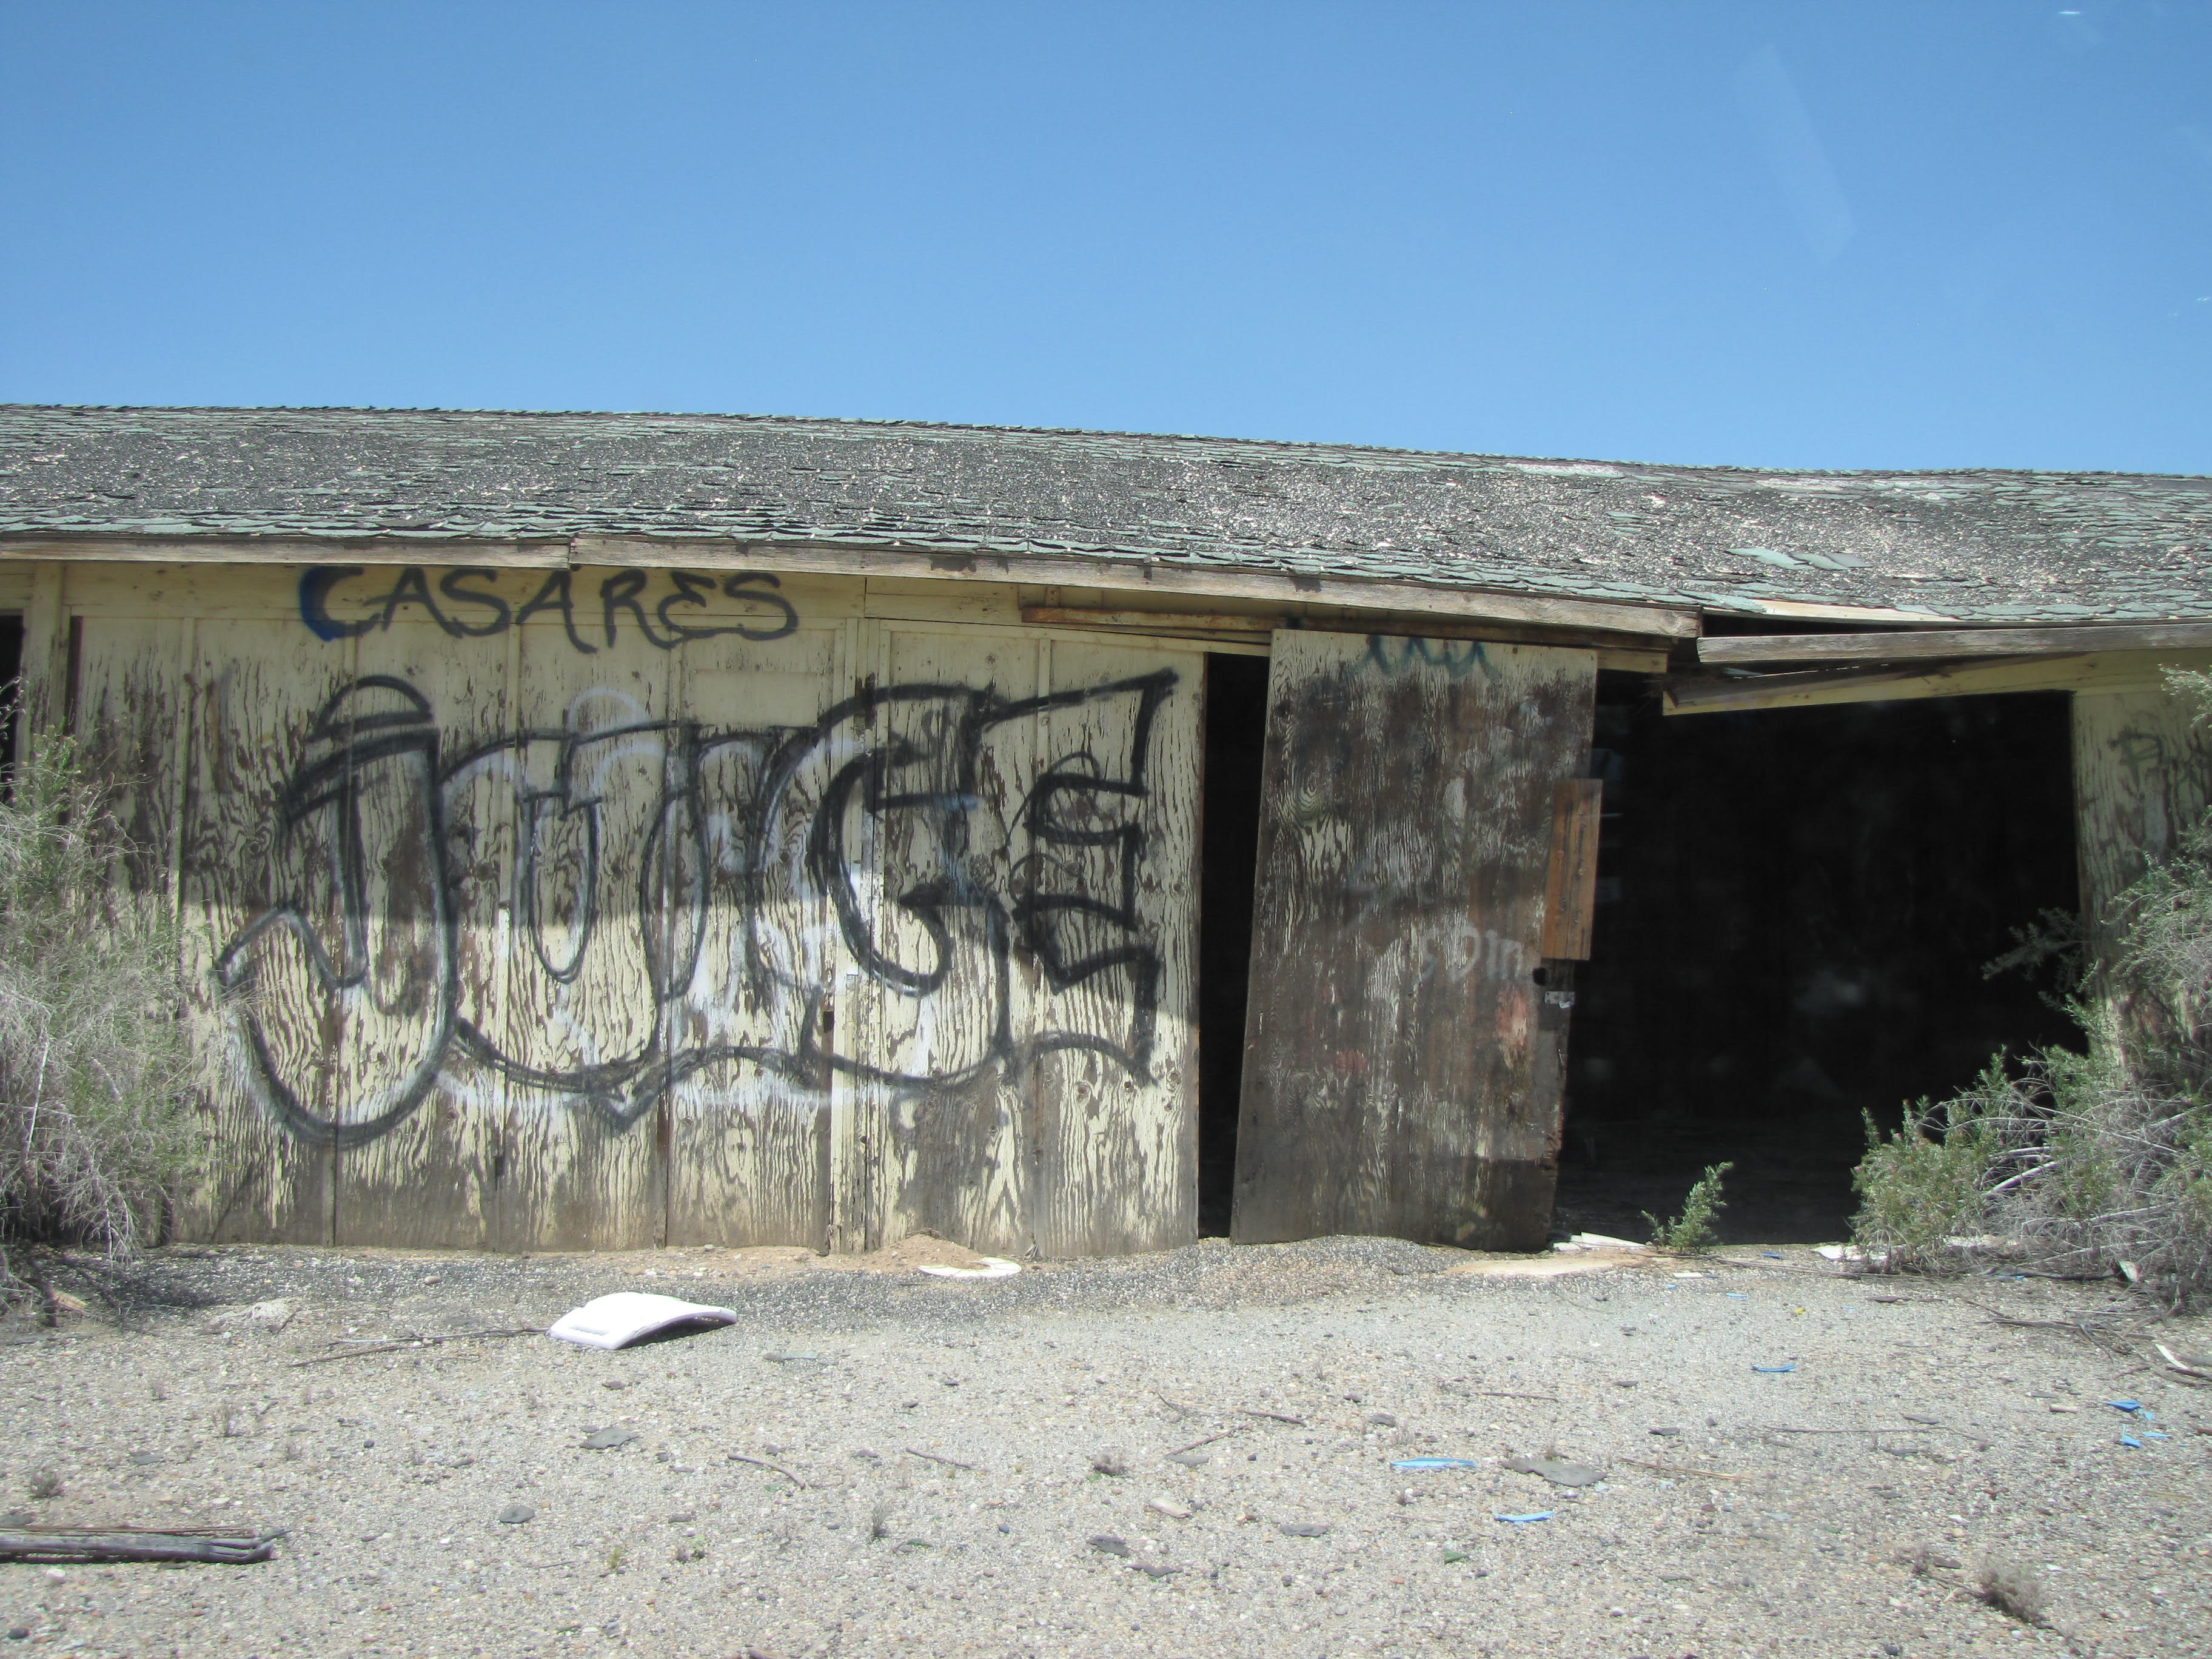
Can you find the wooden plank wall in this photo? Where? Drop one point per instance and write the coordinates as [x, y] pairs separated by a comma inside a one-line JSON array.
[[2143, 776], [1404, 1033], [532, 909]]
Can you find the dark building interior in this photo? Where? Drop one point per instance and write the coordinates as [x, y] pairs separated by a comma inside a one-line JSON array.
[[1795, 908]]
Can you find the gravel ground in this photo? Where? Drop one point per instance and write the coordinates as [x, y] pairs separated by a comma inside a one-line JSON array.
[[990, 1467]]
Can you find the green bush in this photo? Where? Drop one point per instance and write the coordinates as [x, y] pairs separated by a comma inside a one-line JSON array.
[[2078, 1162], [93, 1055], [1693, 1229]]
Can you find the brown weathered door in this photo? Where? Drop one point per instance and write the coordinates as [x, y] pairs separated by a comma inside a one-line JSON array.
[[1405, 1031]]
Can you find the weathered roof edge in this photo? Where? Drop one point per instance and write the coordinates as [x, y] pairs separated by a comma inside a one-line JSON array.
[[1969, 547]]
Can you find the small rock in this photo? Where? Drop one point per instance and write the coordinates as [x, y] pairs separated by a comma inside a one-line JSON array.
[[614, 1382], [515, 1514], [19, 1633], [1891, 1648], [1302, 1528], [144, 1457], [609, 1437], [1559, 1472], [272, 1315], [1190, 1460], [1153, 1570], [1382, 1419], [681, 1516], [1107, 1544], [57, 1575], [1668, 1431], [1170, 1508]]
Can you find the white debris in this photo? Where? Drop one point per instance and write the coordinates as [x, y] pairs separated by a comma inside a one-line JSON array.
[[617, 1320], [988, 1267]]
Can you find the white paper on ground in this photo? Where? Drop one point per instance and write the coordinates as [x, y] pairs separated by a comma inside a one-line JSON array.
[[615, 1321], [988, 1267], [1599, 1241]]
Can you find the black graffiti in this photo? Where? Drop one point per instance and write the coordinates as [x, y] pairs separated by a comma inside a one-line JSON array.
[[842, 828], [472, 611]]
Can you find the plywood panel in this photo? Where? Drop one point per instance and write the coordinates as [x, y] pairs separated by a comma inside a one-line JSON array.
[[1398, 1078], [1106, 900], [260, 1006], [918, 853], [749, 1108], [577, 1031], [434, 856], [1016, 1040]]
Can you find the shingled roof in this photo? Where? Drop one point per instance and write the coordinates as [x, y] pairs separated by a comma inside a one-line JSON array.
[[1977, 546]]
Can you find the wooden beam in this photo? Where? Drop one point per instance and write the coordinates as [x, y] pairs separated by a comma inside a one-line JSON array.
[[1628, 659], [2126, 671], [1156, 577], [1570, 880], [1242, 624], [1637, 622], [1951, 644]]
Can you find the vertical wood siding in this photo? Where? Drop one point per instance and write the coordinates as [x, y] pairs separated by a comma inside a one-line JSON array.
[[2143, 776], [1401, 1072], [604, 908]]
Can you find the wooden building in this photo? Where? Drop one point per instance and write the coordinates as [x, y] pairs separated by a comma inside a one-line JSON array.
[[609, 830]]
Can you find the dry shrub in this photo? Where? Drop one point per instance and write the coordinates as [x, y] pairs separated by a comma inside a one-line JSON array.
[[2075, 1164], [92, 1056], [2013, 1591]]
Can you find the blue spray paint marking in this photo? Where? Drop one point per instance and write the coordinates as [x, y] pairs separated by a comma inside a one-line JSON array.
[[1458, 658]]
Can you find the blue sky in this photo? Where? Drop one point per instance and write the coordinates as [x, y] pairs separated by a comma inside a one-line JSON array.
[[1868, 234]]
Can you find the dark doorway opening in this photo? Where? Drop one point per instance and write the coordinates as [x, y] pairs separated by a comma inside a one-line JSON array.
[[1236, 733], [11, 686], [1795, 910]]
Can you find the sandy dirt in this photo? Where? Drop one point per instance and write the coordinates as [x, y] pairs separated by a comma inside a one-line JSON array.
[[1184, 1453]]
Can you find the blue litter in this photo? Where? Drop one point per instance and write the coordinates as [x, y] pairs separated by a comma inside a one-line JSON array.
[[2152, 1434], [1773, 1256], [1733, 1296], [1522, 1520], [2125, 1405], [1776, 1370], [1434, 1463], [2129, 1440]]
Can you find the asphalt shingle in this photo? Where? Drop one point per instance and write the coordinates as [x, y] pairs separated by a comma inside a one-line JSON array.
[[1989, 546]]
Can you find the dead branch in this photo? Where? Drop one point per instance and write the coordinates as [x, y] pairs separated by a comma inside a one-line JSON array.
[[932, 1457], [762, 1463], [417, 1342], [136, 1544]]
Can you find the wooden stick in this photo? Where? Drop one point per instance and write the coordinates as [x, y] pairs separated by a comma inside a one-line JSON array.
[[417, 1342], [1497, 1394], [1207, 1441], [932, 1457], [762, 1463], [1175, 1406], [1275, 1417], [134, 1544]]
